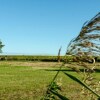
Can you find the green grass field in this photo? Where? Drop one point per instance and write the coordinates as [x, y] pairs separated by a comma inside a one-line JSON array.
[[29, 80]]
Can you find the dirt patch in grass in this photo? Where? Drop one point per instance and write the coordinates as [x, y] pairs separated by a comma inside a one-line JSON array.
[[29, 63], [43, 65]]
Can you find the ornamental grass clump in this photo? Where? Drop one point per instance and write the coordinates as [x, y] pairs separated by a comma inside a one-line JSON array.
[[84, 48]]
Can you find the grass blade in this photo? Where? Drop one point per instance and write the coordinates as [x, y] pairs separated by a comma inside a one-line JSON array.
[[59, 95], [83, 84]]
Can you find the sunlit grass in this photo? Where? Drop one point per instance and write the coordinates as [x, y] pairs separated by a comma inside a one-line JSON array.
[[30, 83]]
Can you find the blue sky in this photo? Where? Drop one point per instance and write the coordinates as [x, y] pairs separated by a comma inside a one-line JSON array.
[[40, 27]]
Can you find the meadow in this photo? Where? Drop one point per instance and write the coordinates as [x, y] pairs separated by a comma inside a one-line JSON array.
[[27, 80]]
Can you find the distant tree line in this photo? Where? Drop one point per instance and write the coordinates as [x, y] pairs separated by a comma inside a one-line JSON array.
[[42, 58]]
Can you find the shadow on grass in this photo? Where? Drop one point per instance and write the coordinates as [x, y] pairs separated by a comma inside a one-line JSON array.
[[70, 70]]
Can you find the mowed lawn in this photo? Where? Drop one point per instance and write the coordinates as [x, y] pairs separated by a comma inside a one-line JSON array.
[[29, 80]]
